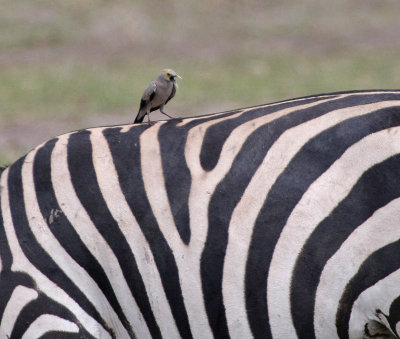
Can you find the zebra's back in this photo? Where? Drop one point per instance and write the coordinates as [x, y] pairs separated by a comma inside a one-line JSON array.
[[278, 220]]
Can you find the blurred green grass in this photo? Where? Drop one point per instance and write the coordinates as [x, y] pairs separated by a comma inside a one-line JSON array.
[[42, 91], [87, 62]]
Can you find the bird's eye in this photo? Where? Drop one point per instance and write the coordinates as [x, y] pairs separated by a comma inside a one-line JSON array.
[[168, 75]]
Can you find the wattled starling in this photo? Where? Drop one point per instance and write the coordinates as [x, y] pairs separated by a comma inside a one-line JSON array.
[[160, 91]]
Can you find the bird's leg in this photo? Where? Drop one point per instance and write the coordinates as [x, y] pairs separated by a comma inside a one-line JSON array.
[[148, 119], [162, 111]]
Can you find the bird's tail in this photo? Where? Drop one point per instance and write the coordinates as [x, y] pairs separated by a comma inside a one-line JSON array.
[[139, 117]]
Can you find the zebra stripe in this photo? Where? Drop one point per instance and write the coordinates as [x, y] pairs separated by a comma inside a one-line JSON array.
[[18, 300], [276, 221]]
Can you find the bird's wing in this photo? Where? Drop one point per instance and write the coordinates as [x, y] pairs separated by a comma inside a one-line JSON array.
[[149, 92], [147, 96], [172, 93]]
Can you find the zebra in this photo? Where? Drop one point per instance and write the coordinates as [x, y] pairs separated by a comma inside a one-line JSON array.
[[273, 221]]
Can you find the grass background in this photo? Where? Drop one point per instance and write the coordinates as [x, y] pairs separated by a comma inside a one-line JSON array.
[[67, 65]]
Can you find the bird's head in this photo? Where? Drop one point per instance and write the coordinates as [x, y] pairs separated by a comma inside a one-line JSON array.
[[170, 74]]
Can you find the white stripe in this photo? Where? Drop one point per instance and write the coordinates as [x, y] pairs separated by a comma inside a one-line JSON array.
[[21, 263], [187, 257], [20, 297], [50, 244], [107, 177], [293, 235], [87, 231], [154, 183], [47, 323]]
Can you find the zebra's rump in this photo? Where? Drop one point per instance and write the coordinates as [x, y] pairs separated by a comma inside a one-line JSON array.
[[274, 221]]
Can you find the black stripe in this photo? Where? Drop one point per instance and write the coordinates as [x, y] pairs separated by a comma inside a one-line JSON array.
[[125, 148], [5, 250], [314, 158], [83, 177], [376, 188], [377, 266], [172, 142], [394, 314], [40, 306], [8, 282], [374, 92], [2, 169], [8, 279], [64, 335], [29, 245]]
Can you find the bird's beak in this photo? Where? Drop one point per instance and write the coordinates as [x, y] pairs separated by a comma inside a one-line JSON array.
[[178, 76]]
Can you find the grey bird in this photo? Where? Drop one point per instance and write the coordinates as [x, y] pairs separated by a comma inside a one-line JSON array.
[[160, 91]]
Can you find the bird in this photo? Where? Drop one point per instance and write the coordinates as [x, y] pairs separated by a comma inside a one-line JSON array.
[[161, 90]]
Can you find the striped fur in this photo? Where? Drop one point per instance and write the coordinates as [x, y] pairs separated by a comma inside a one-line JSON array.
[[280, 220]]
